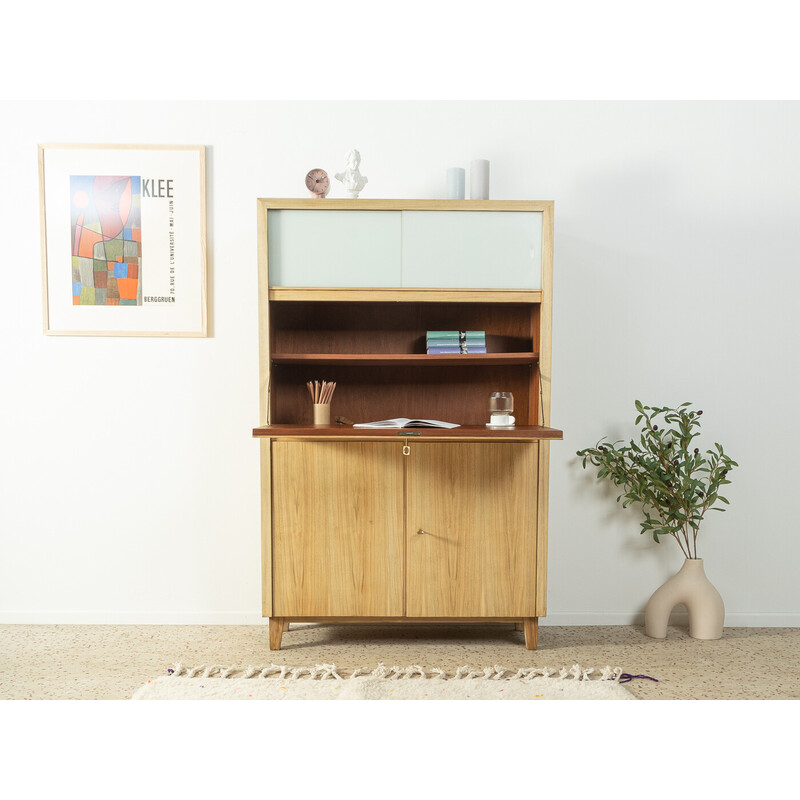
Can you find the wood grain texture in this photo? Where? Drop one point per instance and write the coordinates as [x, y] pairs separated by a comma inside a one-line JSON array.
[[456, 393], [348, 432], [405, 205], [399, 295], [531, 626], [337, 528], [265, 466], [384, 387], [534, 416], [264, 348], [401, 359], [476, 503], [275, 633], [444, 620], [546, 310], [385, 327], [544, 371], [264, 416], [541, 523]]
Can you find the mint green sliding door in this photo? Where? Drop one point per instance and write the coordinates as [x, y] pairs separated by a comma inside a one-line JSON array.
[[334, 248], [472, 249], [405, 249]]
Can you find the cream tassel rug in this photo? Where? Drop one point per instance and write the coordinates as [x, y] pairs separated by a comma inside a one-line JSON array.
[[324, 682]]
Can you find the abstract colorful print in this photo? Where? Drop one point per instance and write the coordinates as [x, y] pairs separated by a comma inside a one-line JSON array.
[[106, 214]]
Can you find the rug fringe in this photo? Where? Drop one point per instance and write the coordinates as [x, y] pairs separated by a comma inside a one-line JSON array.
[[329, 672]]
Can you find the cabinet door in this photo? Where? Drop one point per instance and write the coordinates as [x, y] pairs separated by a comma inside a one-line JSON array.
[[476, 503], [472, 249], [337, 529], [334, 248]]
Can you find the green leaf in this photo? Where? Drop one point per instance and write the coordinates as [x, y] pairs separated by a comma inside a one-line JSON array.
[[641, 469]]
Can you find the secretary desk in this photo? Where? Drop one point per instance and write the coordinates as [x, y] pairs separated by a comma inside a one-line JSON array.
[[409, 525]]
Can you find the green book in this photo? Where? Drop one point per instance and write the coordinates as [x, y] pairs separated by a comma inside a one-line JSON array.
[[456, 335], [444, 334]]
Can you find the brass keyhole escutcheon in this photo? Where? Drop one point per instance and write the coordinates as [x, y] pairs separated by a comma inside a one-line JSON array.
[[406, 450]]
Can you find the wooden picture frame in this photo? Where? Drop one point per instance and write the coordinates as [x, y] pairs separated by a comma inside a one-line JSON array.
[[123, 238]]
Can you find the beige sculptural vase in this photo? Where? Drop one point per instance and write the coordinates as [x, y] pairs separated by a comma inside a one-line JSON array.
[[691, 587]]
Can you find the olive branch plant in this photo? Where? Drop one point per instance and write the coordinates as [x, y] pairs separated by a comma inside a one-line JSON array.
[[674, 482]]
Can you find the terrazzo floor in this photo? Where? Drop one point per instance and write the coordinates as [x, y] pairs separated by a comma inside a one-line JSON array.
[[109, 662]]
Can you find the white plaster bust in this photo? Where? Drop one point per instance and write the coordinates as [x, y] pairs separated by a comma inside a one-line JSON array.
[[351, 178]]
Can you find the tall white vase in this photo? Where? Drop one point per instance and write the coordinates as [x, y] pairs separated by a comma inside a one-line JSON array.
[[454, 183], [479, 179], [691, 587]]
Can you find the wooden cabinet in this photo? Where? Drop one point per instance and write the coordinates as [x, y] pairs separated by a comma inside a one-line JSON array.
[[360, 529], [353, 529]]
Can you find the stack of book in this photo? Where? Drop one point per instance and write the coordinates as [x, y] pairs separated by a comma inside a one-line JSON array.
[[455, 342]]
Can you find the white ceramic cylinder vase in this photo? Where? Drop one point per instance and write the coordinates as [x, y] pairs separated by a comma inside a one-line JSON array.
[[454, 183], [691, 587], [479, 179]]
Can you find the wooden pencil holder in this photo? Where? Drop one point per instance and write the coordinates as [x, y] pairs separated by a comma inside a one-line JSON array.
[[322, 413]]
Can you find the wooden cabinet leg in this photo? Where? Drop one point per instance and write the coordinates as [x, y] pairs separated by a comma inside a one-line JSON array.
[[275, 631], [531, 625], [285, 625], [518, 626]]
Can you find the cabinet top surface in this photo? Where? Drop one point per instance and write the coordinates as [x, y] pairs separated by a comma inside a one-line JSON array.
[[519, 433], [321, 204]]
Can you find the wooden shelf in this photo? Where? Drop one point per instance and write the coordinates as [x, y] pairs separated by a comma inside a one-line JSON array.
[[416, 359], [339, 204], [285, 294], [520, 433]]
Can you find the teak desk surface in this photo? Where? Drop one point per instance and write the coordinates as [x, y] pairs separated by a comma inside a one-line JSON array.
[[519, 433]]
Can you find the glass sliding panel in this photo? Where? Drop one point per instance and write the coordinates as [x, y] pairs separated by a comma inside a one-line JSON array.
[[472, 249], [334, 248]]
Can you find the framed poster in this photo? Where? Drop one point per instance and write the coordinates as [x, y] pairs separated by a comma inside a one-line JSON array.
[[123, 239]]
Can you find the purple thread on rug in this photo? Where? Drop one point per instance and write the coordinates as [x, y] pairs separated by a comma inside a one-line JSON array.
[[627, 677], [170, 671]]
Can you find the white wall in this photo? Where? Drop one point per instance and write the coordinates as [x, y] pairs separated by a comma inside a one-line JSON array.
[[128, 476]]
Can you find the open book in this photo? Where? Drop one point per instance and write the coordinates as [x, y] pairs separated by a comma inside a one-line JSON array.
[[405, 422]]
